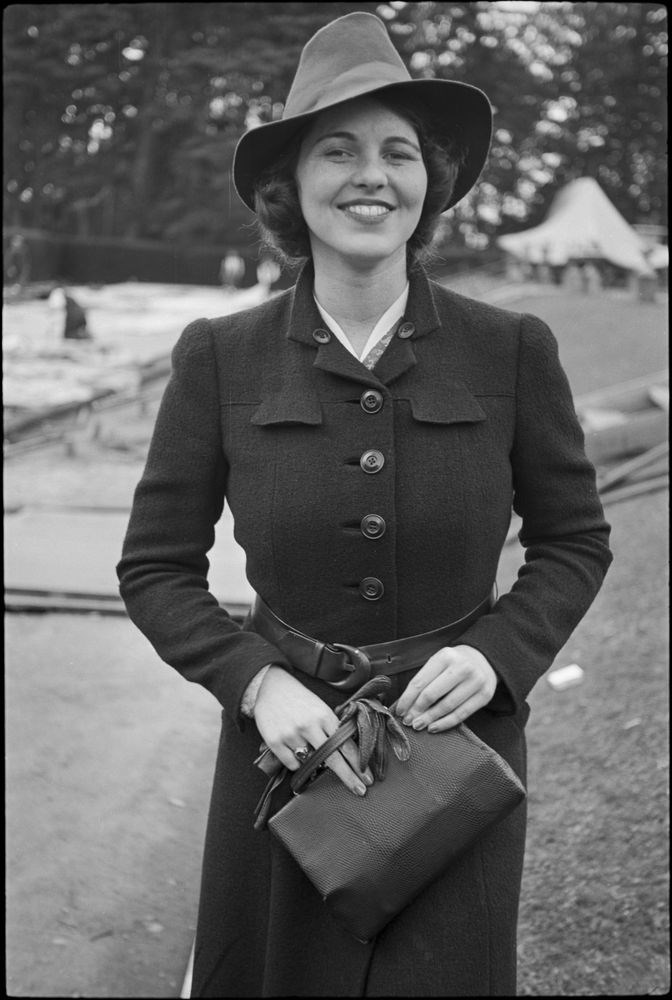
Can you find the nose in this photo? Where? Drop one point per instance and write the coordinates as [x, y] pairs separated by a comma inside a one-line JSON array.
[[370, 173]]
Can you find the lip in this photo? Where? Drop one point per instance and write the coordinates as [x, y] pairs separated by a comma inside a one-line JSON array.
[[367, 201], [367, 218]]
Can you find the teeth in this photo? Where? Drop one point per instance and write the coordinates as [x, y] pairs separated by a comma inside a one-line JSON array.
[[367, 210]]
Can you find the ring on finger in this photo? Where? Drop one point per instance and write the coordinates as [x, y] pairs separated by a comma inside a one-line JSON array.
[[302, 753]]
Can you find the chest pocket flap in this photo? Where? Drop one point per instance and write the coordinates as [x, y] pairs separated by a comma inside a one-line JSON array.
[[286, 409], [451, 403]]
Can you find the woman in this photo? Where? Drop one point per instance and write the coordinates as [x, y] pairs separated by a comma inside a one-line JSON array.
[[370, 431]]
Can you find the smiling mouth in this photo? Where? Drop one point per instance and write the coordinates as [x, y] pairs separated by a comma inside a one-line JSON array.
[[367, 213]]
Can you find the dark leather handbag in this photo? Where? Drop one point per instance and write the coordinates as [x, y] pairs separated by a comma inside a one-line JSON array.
[[369, 857]]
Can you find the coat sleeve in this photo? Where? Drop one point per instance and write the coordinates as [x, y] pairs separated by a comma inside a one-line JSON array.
[[179, 499], [564, 533]]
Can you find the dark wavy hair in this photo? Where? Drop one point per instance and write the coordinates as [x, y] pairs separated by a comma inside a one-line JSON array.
[[280, 222]]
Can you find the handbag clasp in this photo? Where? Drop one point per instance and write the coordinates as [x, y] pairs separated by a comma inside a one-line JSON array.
[[358, 669]]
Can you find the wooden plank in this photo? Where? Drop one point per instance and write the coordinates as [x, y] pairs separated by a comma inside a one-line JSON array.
[[630, 395], [652, 485], [639, 433], [18, 599], [625, 469], [59, 551]]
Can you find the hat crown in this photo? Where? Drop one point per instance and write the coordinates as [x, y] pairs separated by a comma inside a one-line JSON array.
[[353, 57], [339, 58]]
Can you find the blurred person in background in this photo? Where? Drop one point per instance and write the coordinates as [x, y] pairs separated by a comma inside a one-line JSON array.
[[70, 317], [268, 272], [17, 263], [370, 431], [232, 270]]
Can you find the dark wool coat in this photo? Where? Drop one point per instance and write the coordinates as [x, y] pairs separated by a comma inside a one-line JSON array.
[[476, 416]]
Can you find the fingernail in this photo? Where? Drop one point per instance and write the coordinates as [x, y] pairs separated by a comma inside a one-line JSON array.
[[360, 790], [407, 720], [368, 780], [420, 723]]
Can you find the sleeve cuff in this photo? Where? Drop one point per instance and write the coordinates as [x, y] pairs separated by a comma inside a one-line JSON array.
[[249, 699]]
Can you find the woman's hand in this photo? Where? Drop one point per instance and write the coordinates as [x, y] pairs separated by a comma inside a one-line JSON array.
[[453, 684], [289, 716]]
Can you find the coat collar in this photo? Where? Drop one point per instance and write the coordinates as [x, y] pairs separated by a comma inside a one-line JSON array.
[[289, 395], [304, 319]]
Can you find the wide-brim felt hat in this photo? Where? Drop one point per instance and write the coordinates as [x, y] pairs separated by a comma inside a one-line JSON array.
[[351, 57]]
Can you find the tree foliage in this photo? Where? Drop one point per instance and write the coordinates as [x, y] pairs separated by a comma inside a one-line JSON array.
[[121, 119], [578, 89]]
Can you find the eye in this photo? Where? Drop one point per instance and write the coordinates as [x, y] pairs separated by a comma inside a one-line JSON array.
[[337, 153], [400, 154]]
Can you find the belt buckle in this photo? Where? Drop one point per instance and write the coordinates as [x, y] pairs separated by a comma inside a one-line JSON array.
[[359, 668]]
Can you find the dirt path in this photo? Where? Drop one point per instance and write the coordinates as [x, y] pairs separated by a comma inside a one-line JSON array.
[[109, 762]]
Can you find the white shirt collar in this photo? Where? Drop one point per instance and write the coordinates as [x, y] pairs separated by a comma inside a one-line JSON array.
[[387, 320]]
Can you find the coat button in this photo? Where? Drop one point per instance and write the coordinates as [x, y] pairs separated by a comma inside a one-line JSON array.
[[371, 588], [371, 401], [373, 526], [406, 330], [372, 461], [321, 336]]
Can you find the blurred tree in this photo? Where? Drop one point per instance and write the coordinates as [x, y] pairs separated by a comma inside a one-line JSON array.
[[578, 89], [121, 119], [611, 110], [505, 53]]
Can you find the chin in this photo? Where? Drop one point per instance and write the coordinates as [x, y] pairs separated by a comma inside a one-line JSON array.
[[370, 251]]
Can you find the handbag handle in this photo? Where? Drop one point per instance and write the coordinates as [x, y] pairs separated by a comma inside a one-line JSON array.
[[300, 778], [277, 773], [374, 687]]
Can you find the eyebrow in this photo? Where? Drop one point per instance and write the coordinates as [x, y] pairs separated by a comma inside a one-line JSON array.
[[352, 137]]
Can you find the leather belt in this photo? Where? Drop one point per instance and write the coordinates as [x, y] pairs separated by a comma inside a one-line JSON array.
[[348, 667]]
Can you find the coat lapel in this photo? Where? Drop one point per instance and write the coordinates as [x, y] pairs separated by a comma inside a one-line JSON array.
[[399, 357], [289, 394], [335, 358]]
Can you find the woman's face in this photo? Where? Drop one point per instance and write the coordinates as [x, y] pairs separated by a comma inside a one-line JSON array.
[[362, 183]]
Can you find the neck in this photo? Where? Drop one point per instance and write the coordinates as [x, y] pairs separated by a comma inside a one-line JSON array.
[[357, 296]]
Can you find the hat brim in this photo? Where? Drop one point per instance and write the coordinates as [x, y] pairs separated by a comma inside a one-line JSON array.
[[465, 109]]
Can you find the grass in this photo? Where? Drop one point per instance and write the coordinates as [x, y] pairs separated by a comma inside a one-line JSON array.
[[594, 917], [594, 907], [604, 338]]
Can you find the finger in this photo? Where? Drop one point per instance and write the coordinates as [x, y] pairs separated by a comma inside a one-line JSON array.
[[425, 675], [451, 686], [350, 751], [460, 714], [451, 673], [336, 762], [285, 755], [444, 706], [311, 737], [341, 768]]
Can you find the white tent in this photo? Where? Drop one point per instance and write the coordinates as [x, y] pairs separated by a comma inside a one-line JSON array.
[[659, 256], [581, 224]]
